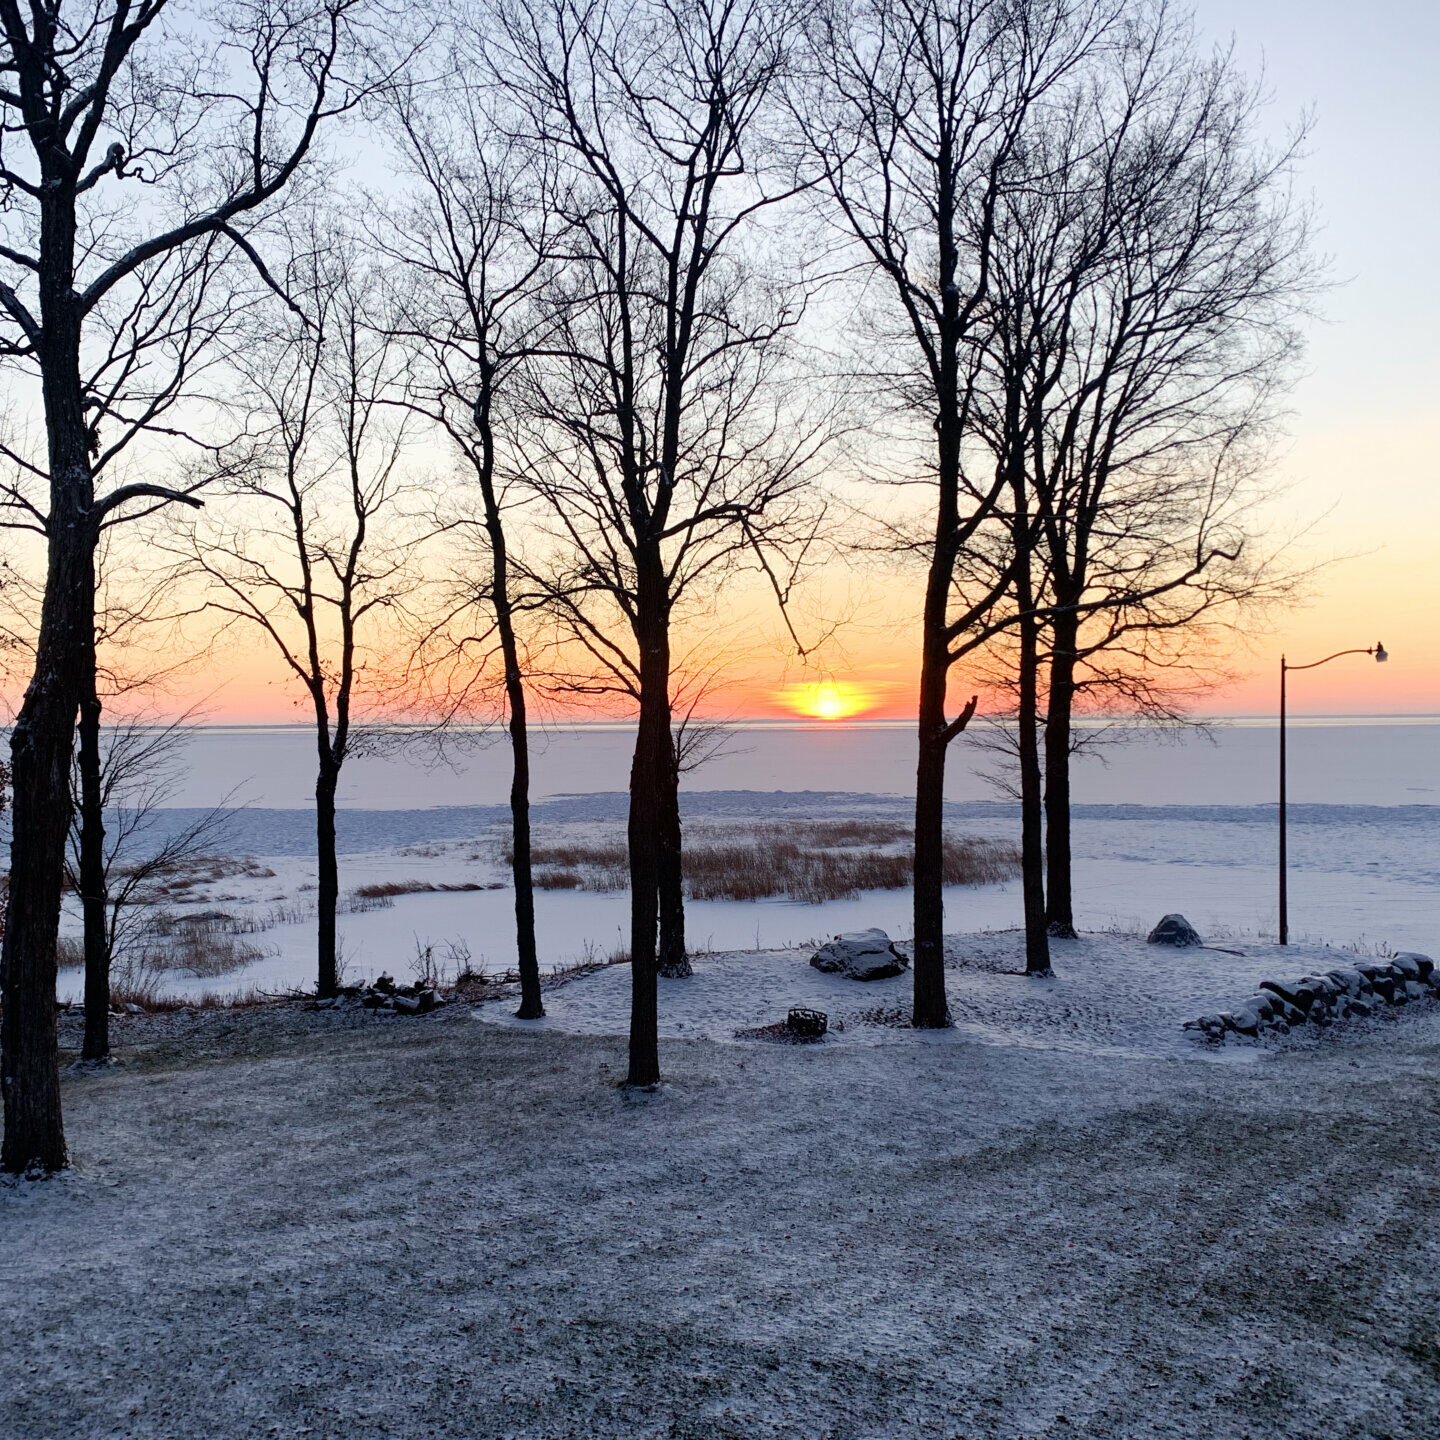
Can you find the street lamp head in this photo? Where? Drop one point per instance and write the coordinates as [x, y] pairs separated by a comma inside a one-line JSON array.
[[1381, 653]]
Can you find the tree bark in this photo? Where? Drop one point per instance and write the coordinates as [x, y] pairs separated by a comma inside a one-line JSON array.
[[93, 898], [930, 1009], [532, 1006], [654, 749], [1032, 822], [1032, 843], [674, 959], [1059, 713], [328, 895], [42, 744]]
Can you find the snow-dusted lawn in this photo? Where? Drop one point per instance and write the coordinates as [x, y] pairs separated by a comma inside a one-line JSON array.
[[290, 1223], [1111, 995]]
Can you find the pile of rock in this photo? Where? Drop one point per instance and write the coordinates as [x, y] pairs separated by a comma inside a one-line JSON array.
[[1350, 990], [384, 994]]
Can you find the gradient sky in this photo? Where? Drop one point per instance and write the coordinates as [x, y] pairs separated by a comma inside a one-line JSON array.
[[1361, 458]]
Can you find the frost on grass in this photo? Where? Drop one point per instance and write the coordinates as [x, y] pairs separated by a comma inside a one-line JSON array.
[[359, 1230]]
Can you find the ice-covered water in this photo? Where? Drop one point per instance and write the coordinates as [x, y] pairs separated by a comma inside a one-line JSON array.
[[1379, 761]]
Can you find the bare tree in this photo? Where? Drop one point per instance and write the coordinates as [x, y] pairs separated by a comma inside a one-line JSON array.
[[126, 143], [473, 241], [913, 113], [657, 436], [115, 867], [137, 656], [1145, 297], [320, 548]]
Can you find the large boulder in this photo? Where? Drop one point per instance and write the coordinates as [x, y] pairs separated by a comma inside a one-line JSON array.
[[1174, 930], [860, 955]]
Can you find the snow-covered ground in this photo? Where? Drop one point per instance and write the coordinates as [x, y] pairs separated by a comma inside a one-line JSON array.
[[330, 1224], [1110, 995]]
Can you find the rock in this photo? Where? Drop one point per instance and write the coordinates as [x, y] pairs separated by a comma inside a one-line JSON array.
[[1242, 1021], [1212, 1027], [1281, 991], [1264, 1004], [131, 1008], [1416, 991], [860, 955], [1291, 1014], [1351, 981], [1174, 930], [1405, 966], [1361, 1008], [1423, 963]]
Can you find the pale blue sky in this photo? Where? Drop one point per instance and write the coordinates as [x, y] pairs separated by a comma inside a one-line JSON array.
[[1368, 410]]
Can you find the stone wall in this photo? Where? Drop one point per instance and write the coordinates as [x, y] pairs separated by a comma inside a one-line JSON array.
[[1340, 994]]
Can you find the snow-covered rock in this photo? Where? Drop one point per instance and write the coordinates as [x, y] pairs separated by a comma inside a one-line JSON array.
[[1412, 965], [1174, 930], [860, 955]]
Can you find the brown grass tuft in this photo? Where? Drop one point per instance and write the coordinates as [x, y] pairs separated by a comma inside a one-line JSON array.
[[386, 889], [812, 861]]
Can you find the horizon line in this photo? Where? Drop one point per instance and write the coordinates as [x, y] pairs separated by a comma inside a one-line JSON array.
[[813, 722]]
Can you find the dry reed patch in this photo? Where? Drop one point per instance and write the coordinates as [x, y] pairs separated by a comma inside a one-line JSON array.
[[387, 889], [811, 861], [206, 944]]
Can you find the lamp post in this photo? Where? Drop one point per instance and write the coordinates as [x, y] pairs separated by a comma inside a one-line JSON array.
[[1381, 655]]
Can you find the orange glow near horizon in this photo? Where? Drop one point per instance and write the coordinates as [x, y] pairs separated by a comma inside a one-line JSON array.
[[829, 700]]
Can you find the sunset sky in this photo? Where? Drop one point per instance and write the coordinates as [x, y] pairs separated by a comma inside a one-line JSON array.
[[1360, 462]]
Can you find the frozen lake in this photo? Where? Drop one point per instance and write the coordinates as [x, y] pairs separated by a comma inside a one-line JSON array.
[[1382, 761]]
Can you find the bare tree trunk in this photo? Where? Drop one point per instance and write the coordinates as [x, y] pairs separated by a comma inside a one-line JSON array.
[[931, 1009], [1032, 841], [42, 747], [93, 898], [532, 1006], [328, 896], [1032, 822], [674, 961], [1060, 703], [654, 748]]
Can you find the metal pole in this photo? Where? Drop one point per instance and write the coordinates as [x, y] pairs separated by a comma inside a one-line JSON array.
[[1284, 906]]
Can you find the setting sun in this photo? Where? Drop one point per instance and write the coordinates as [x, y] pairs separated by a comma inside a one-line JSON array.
[[830, 700]]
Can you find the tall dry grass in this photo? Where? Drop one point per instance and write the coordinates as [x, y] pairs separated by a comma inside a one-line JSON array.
[[811, 861]]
